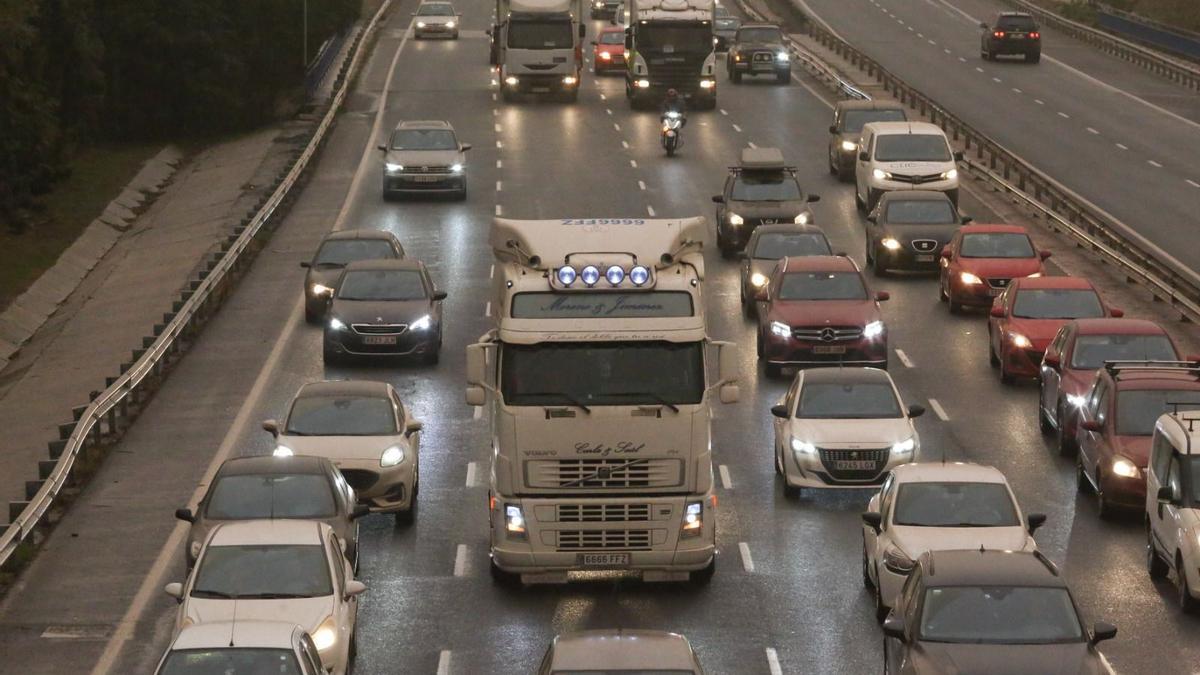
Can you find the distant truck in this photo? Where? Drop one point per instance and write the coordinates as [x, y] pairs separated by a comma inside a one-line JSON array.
[[538, 47], [669, 45]]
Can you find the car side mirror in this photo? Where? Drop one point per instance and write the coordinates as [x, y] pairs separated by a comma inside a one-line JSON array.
[[967, 219], [833, 128], [718, 199], [271, 427], [439, 296], [354, 588], [359, 511], [947, 253], [175, 590], [873, 520], [893, 627], [997, 312], [742, 255], [382, 147], [1034, 521], [1051, 361], [872, 218], [305, 264], [412, 427], [779, 410], [185, 515], [958, 156], [1044, 254], [1116, 313], [1091, 425], [1101, 631], [863, 156], [465, 147], [882, 296], [1166, 495], [916, 410], [814, 198]]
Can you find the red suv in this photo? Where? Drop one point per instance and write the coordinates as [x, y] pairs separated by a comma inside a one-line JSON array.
[[1080, 348], [1029, 313], [1117, 423], [818, 310], [981, 260], [608, 50]]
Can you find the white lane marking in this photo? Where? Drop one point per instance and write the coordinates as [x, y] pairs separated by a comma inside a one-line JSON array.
[[1192, 183], [737, 128], [641, 185], [616, 126], [1039, 101], [499, 210], [933, 42], [773, 662], [1093, 131], [495, 112], [910, 28], [603, 97], [444, 662], [471, 472], [996, 79], [1064, 115], [633, 163], [624, 145], [938, 410], [487, 310], [751, 144], [723, 112], [478, 414], [498, 130], [1017, 91], [900, 21], [963, 59], [747, 561], [608, 110], [499, 145], [946, 50], [650, 210], [920, 35], [492, 271], [499, 164], [494, 97], [904, 358], [460, 560], [499, 186], [1122, 146], [978, 69], [153, 581], [1154, 164], [726, 480]]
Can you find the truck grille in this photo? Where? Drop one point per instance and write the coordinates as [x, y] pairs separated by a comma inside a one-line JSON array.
[[604, 473], [828, 333], [602, 513], [600, 540], [878, 458], [677, 72]]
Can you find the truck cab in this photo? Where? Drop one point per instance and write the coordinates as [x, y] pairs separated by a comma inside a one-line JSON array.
[[669, 44], [537, 46]]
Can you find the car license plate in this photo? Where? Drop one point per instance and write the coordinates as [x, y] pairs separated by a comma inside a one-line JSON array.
[[995, 291], [425, 179], [1018, 36], [540, 90], [604, 559], [924, 257], [854, 464], [379, 339], [824, 349]]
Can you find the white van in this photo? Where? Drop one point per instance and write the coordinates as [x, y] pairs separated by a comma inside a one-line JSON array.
[[903, 156], [1173, 505]]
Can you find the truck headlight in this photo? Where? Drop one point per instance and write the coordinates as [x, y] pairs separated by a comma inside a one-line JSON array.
[[758, 280], [325, 636], [849, 146], [423, 323], [781, 329], [890, 244], [514, 521], [873, 330], [735, 219], [336, 324], [393, 168], [570, 80], [880, 174], [392, 456], [904, 447], [803, 447], [693, 520], [1125, 468], [801, 219]]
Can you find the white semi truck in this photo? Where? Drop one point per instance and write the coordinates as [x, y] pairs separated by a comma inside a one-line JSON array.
[[537, 46], [669, 45], [598, 382]]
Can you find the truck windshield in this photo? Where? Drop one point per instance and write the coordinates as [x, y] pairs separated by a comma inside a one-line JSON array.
[[541, 34], [675, 39], [600, 374]]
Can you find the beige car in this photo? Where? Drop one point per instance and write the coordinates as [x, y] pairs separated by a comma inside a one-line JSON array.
[[620, 651]]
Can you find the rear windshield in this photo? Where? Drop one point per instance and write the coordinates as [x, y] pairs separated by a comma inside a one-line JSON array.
[[342, 252], [776, 245], [1091, 351], [921, 212], [822, 286], [231, 661], [250, 496], [1016, 23], [912, 148], [996, 245], [1057, 303], [1139, 409], [853, 120]]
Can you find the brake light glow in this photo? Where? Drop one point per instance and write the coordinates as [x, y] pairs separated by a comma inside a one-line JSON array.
[[998, 33], [1035, 35]]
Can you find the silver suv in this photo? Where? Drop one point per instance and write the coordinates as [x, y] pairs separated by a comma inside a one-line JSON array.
[[424, 156]]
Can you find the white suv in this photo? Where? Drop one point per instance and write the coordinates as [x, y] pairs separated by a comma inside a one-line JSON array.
[[842, 428], [928, 506], [1173, 505], [904, 156]]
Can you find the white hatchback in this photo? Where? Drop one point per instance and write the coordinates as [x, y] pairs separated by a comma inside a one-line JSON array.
[[842, 427], [931, 506], [276, 570]]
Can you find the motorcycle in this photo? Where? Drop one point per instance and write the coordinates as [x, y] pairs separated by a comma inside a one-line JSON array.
[[672, 138]]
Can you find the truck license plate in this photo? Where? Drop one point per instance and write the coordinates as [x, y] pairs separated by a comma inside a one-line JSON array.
[[924, 257], [379, 339], [823, 349], [854, 464], [604, 559]]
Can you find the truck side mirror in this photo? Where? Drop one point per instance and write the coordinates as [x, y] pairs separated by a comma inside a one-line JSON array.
[[477, 364], [728, 371]]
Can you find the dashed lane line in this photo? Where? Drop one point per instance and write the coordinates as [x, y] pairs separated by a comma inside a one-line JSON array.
[[773, 662], [499, 210], [625, 145], [641, 185], [1064, 115], [747, 561], [724, 112], [487, 310], [650, 210], [460, 560], [499, 145], [471, 469], [1017, 91], [1122, 146], [1039, 101], [1092, 131], [478, 414], [499, 186], [904, 358], [751, 144], [498, 129], [1154, 164], [997, 80], [726, 480], [633, 163], [737, 128], [1192, 183], [499, 164], [939, 410], [616, 126], [443, 667]]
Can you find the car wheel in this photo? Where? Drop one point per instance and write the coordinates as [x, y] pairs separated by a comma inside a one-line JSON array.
[[845, 175], [408, 517], [758, 344], [1081, 480], [858, 202], [311, 316], [1033, 58], [462, 192], [783, 78], [955, 307], [1066, 445], [702, 577], [942, 295], [872, 198], [866, 566], [881, 610], [791, 491], [432, 358], [329, 357], [992, 358], [352, 653], [1187, 603], [507, 95], [505, 579], [1104, 507], [1156, 567], [735, 76], [878, 265], [1043, 420], [779, 465]]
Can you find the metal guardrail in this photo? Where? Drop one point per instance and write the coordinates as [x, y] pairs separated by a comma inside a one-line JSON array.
[[1180, 72], [112, 408], [1174, 41]]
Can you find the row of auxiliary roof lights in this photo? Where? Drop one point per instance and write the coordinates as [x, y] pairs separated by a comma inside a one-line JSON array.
[[590, 275]]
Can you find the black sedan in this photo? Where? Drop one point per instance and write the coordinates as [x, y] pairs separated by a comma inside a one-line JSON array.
[[337, 250], [907, 229], [385, 308]]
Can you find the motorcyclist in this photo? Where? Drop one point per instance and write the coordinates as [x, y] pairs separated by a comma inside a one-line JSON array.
[[675, 103]]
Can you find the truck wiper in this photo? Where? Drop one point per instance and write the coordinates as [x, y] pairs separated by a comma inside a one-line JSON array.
[[562, 395], [609, 469], [657, 397]]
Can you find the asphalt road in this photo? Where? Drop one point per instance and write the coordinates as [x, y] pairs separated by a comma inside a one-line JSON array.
[[793, 590], [1118, 136]]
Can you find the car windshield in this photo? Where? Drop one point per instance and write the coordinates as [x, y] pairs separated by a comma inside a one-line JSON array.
[[822, 286], [602, 373], [612, 38], [424, 139], [1057, 303], [954, 505], [921, 212], [540, 34], [382, 285], [912, 148], [436, 9], [764, 186], [1091, 351], [281, 571], [842, 400], [759, 35], [999, 615], [250, 496], [341, 416], [342, 252], [853, 120], [996, 245], [231, 661], [1139, 409], [1023, 23], [776, 245]]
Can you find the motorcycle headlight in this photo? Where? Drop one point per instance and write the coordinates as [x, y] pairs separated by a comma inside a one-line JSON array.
[[325, 637], [904, 447], [758, 280], [393, 168], [849, 146], [873, 330], [781, 329], [970, 279], [880, 174], [1020, 341], [283, 451], [782, 57], [423, 323], [890, 244], [707, 84], [336, 324], [1125, 468], [735, 219], [321, 289], [643, 84], [950, 175], [803, 447], [392, 456], [801, 219]]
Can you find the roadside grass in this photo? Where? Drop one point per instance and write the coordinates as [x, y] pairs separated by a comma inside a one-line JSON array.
[[98, 174]]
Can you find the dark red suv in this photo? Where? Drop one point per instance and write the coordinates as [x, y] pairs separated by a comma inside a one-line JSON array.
[[817, 310]]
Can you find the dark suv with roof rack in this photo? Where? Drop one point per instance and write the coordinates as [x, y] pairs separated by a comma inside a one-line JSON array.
[[1014, 33], [760, 190]]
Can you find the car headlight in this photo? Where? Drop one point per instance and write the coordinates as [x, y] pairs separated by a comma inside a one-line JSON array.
[[321, 289], [194, 548], [707, 84], [693, 520], [801, 219], [420, 24], [392, 456], [880, 174], [904, 447], [1035, 275], [873, 330], [897, 561], [336, 324], [758, 280], [1077, 400], [511, 81], [449, 24], [849, 146], [803, 447], [970, 279], [456, 168], [735, 219], [325, 636], [890, 244], [423, 323], [1020, 341], [605, 56], [514, 521], [782, 57], [1125, 468], [393, 168], [950, 175], [781, 329], [283, 451]]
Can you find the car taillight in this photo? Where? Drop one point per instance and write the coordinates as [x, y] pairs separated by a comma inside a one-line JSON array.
[[998, 33], [1035, 35]]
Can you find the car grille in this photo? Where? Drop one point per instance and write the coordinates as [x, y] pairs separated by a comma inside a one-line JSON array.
[[924, 245], [602, 513], [427, 169], [584, 540], [360, 479], [763, 57], [379, 328], [999, 282], [828, 333], [877, 456], [603, 473], [915, 179]]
